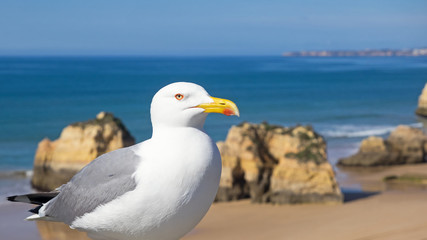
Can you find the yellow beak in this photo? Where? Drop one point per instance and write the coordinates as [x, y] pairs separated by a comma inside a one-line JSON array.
[[220, 105]]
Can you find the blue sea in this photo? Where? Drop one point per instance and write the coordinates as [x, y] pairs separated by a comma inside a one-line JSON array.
[[344, 99]]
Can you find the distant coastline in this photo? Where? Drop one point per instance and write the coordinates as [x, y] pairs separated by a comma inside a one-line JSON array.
[[415, 52]]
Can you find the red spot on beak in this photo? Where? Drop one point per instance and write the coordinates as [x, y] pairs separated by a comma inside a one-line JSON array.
[[228, 112]]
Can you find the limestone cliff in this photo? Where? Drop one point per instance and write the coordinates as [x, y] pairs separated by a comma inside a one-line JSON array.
[[57, 161], [405, 145], [422, 103], [276, 164]]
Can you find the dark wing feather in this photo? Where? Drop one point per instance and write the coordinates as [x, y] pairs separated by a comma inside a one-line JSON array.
[[33, 198]]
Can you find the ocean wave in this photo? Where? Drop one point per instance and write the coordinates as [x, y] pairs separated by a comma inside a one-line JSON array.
[[354, 131], [16, 174]]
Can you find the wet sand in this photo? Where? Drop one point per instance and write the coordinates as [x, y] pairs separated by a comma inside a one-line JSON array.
[[12, 223], [382, 213]]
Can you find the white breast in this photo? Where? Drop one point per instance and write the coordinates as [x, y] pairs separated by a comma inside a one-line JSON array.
[[176, 184]]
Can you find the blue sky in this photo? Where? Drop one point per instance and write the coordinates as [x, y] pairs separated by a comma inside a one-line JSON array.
[[220, 27]]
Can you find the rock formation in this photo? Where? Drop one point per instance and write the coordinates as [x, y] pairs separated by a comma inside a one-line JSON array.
[[276, 164], [422, 103], [405, 145], [79, 143]]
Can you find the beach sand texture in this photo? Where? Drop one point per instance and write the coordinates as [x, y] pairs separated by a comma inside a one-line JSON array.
[[390, 215], [387, 214]]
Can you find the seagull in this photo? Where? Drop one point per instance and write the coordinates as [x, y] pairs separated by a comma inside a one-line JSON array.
[[157, 189]]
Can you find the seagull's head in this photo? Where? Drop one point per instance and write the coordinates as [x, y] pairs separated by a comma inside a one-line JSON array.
[[184, 104]]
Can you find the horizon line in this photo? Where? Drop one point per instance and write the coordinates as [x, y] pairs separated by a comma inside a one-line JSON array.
[[110, 55]]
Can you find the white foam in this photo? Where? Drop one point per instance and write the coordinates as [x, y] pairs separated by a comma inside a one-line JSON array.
[[350, 131], [29, 173]]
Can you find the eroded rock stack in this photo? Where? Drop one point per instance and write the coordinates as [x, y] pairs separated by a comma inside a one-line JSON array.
[[405, 145], [422, 103], [276, 164], [79, 143]]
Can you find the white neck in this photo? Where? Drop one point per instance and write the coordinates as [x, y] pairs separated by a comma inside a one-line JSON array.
[[161, 131]]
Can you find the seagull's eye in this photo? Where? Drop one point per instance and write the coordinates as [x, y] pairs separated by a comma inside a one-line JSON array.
[[179, 96]]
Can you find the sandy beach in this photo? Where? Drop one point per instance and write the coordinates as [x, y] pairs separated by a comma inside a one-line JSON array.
[[390, 215], [380, 213]]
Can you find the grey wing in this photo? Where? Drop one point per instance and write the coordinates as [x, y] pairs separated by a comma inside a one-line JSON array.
[[101, 181]]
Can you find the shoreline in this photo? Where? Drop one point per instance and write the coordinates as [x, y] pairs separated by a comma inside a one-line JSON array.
[[370, 179]]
